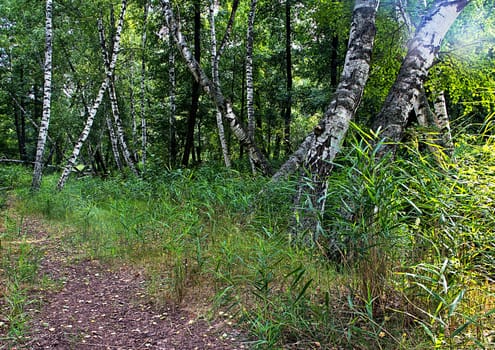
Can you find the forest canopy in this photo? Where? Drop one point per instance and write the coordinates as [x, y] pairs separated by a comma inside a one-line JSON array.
[[327, 164]]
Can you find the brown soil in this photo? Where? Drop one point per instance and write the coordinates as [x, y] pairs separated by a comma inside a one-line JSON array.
[[94, 305]]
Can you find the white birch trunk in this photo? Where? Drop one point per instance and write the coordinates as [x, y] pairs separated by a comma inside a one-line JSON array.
[[215, 58], [249, 75], [217, 96], [173, 107], [112, 94], [144, 132], [132, 107], [47, 92], [114, 142], [96, 104], [440, 107], [325, 142], [120, 129], [405, 92], [331, 130]]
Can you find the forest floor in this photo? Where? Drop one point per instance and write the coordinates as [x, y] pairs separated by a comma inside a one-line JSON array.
[[90, 304]]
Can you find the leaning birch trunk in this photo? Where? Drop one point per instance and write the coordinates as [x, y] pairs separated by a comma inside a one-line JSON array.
[[424, 114], [325, 142], [47, 93], [96, 104], [422, 50], [215, 58], [120, 129], [216, 95], [249, 75], [112, 94]]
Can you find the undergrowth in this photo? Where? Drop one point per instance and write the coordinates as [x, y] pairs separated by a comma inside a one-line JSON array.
[[408, 262], [19, 261]]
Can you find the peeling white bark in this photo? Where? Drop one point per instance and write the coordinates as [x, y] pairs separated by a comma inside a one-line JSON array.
[[47, 93], [320, 147], [249, 75], [222, 103], [324, 143], [440, 107], [422, 50], [96, 104], [215, 58], [112, 94]]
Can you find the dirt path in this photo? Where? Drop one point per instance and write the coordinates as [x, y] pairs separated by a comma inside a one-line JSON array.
[[98, 306]]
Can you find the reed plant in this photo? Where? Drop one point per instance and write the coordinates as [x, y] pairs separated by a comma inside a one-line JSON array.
[[407, 259]]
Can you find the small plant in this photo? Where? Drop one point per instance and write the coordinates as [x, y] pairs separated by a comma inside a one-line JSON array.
[[20, 266]]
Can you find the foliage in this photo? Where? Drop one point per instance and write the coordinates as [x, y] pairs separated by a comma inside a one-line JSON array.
[[415, 244], [18, 272]]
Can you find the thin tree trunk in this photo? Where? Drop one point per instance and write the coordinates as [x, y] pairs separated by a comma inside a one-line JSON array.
[[47, 93], [112, 94], [249, 76], [173, 107], [217, 96], [404, 94], [114, 142], [96, 104], [193, 110], [334, 63], [215, 58], [24, 115], [288, 67], [243, 104], [328, 135], [132, 107], [440, 107], [120, 129], [111, 131], [144, 131], [20, 130]]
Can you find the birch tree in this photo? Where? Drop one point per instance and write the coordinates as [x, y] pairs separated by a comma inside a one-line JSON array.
[[144, 128], [325, 141], [47, 92], [96, 104], [195, 89], [288, 70], [112, 94], [216, 95], [335, 122], [173, 107], [443, 124], [249, 76], [422, 50], [215, 60]]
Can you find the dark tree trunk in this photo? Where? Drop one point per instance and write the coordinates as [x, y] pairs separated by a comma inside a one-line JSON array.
[[20, 129], [172, 119], [288, 63], [334, 62]]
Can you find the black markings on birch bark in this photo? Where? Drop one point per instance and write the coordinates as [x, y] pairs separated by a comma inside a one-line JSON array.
[[96, 104], [47, 92]]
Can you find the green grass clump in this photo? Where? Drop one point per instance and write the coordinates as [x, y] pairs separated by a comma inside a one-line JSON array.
[[19, 262]]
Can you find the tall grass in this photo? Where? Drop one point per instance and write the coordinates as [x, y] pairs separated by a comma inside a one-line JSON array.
[[407, 263]]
